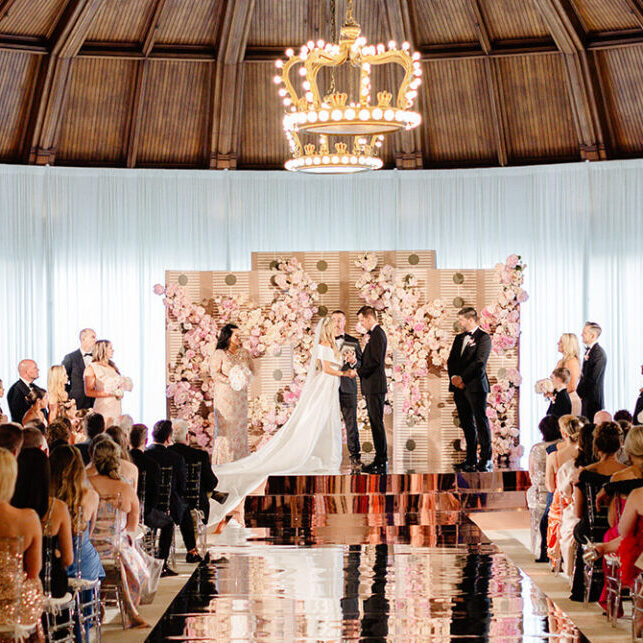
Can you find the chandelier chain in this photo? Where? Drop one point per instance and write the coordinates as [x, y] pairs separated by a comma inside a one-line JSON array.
[[333, 35]]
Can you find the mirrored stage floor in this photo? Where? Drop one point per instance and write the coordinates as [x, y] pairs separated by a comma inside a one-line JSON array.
[[360, 576]]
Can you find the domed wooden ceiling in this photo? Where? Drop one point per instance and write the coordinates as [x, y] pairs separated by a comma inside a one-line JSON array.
[[188, 83]]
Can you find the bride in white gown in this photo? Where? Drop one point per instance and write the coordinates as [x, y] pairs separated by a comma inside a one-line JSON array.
[[311, 440]]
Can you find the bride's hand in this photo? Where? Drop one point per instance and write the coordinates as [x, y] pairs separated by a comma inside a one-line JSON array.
[[352, 373]]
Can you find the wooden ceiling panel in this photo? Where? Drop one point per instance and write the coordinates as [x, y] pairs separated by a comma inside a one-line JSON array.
[[441, 21], [262, 139], [540, 122], [174, 125], [32, 17], [621, 73], [286, 23], [95, 122], [17, 77], [190, 22], [605, 15], [456, 112], [508, 20], [121, 21]]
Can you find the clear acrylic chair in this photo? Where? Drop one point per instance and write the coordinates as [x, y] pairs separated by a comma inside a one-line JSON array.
[[192, 498]]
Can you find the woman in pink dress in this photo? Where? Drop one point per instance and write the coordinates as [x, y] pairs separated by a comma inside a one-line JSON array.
[[570, 348]]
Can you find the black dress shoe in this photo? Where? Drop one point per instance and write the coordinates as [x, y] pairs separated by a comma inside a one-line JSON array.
[[378, 468], [356, 462], [220, 496], [484, 465], [465, 467], [193, 558], [167, 572]]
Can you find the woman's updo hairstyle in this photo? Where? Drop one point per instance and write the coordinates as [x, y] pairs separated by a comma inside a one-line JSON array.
[[106, 457], [607, 438], [634, 442], [570, 425]]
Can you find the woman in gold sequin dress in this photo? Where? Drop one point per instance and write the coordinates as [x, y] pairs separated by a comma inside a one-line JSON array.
[[230, 405]]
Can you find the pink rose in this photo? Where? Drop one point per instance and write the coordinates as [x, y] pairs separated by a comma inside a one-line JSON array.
[[512, 261], [158, 289]]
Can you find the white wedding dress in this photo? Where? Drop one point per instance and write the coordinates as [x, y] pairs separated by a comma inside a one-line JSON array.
[[309, 443]]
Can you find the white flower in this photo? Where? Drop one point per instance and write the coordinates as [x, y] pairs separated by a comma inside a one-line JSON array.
[[239, 377]]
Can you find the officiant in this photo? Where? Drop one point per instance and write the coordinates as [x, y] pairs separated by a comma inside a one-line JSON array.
[[352, 357]]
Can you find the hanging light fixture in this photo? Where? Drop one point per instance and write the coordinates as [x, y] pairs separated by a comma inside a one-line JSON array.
[[332, 114]]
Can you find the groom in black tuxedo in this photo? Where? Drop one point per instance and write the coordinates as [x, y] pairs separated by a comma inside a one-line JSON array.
[[590, 385], [467, 366], [373, 382], [75, 364]]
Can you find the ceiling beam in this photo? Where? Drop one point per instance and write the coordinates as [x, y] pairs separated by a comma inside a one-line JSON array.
[[226, 103], [582, 86], [496, 97], [23, 44], [136, 112], [152, 26], [66, 41], [397, 24]]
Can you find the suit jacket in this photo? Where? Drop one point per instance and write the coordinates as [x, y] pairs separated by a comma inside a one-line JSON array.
[[165, 457], [371, 373], [590, 385], [470, 364], [75, 367], [208, 479], [348, 385], [638, 408], [152, 471], [83, 447], [18, 405], [560, 405]]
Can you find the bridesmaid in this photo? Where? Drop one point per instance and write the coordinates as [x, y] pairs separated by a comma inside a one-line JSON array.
[[98, 376], [230, 406], [570, 348]]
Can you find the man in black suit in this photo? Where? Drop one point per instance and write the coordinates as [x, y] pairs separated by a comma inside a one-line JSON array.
[[75, 364], [560, 403], [373, 382], [16, 397], [164, 457], [93, 425], [467, 366], [637, 417], [348, 386], [208, 480], [590, 386], [148, 466]]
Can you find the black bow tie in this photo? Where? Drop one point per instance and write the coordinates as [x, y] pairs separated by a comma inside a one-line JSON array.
[[87, 354], [339, 337], [587, 349], [468, 334]]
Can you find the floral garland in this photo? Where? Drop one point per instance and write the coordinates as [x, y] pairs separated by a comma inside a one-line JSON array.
[[502, 321], [287, 320], [414, 330]]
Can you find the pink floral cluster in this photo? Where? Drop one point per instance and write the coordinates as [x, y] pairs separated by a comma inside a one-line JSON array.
[[502, 321], [414, 329]]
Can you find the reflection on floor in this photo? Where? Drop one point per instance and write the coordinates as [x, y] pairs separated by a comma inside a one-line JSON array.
[[337, 558]]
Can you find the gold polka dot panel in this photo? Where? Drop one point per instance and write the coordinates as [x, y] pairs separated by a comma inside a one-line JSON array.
[[322, 288], [183, 280], [458, 278], [277, 374], [273, 264], [458, 302], [230, 280], [502, 373], [414, 260], [367, 447], [322, 311], [410, 445], [322, 265]]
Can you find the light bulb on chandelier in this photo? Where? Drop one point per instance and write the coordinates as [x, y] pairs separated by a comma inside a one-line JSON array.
[[332, 114]]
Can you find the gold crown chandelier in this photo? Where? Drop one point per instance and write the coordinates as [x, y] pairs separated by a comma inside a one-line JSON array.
[[331, 114]]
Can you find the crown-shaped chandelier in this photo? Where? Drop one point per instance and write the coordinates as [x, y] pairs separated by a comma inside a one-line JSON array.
[[334, 113]]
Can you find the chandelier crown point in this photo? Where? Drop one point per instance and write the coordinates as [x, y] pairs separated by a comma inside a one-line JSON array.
[[341, 148], [384, 99], [337, 99]]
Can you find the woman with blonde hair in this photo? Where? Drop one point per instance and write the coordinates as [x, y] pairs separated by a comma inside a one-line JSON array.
[[569, 347], [103, 382], [23, 524], [59, 403]]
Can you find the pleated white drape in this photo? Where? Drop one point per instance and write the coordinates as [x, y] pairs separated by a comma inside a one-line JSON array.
[[83, 247]]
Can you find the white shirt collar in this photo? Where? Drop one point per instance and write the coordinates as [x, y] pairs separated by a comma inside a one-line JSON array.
[[27, 383], [590, 346]]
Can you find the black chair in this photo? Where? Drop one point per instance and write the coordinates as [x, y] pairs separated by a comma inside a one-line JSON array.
[[165, 495], [59, 614]]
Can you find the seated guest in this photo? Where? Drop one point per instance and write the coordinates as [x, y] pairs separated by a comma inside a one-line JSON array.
[[164, 457], [128, 470], [108, 484], [561, 403], [37, 401], [11, 437], [191, 455], [147, 466], [58, 432], [24, 524], [32, 438], [602, 416], [16, 397], [623, 414], [36, 424], [537, 493], [69, 484], [4, 418], [59, 403], [94, 424]]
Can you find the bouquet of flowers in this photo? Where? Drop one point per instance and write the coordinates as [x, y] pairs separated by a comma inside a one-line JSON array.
[[348, 354], [544, 387], [117, 385], [239, 377]]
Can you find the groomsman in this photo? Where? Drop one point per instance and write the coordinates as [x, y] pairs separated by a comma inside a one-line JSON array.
[[75, 364], [467, 366], [560, 404], [16, 397], [348, 387], [372, 377], [590, 386]]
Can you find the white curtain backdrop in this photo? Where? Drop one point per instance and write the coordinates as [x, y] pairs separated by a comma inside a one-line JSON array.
[[83, 247]]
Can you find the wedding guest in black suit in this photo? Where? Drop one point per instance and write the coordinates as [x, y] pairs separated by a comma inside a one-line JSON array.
[[590, 387], [11, 437], [191, 455], [348, 386], [164, 457], [17, 395], [75, 363], [373, 382], [637, 416], [93, 425], [146, 465], [561, 403], [467, 366]]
